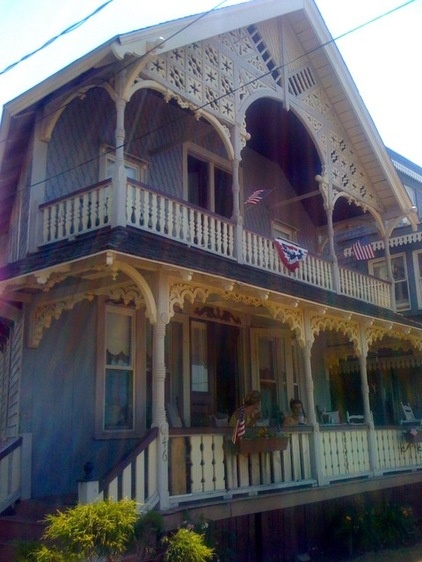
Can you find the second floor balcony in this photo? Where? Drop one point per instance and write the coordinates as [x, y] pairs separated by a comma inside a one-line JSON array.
[[147, 210]]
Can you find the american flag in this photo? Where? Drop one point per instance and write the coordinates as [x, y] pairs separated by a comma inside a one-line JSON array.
[[255, 197], [240, 428], [362, 250]]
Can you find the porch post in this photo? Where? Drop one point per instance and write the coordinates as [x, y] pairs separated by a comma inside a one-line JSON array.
[[237, 217], [159, 418], [389, 270], [326, 190], [37, 191], [372, 444], [309, 387], [119, 172]]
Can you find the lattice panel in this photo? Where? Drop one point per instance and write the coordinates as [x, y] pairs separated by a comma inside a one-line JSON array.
[[213, 73]]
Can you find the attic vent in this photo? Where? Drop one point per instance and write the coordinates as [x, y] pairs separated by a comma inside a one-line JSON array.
[[301, 81], [265, 54]]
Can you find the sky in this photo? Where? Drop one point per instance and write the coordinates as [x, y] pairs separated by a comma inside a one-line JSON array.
[[383, 56]]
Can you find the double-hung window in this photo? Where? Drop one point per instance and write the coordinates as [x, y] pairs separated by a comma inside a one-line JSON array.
[[378, 268], [118, 411], [209, 182]]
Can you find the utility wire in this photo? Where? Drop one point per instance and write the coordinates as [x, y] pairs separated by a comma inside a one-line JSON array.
[[50, 41], [205, 105]]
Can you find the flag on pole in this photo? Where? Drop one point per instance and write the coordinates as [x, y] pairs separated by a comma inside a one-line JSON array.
[[362, 250], [240, 428], [255, 197], [290, 254]]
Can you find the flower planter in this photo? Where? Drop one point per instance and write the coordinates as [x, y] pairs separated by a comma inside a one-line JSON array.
[[261, 445], [413, 437]]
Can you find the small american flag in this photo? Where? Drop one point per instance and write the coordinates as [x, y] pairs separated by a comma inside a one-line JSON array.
[[240, 428], [362, 250], [255, 197]]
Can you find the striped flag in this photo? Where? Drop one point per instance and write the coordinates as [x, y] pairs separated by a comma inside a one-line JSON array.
[[362, 250], [240, 428], [255, 197]]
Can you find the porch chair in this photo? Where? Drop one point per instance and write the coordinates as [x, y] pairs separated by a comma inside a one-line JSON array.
[[219, 420], [409, 415], [331, 417], [355, 419]]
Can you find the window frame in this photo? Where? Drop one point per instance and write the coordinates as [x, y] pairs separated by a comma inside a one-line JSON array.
[[138, 165], [138, 368], [282, 230], [418, 276], [373, 263], [214, 162]]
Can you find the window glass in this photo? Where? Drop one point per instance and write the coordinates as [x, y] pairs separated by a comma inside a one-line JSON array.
[[198, 182], [401, 287], [199, 355], [119, 376], [223, 193]]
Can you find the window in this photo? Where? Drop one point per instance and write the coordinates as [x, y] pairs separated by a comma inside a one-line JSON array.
[[280, 230], [209, 184], [378, 268], [199, 362], [417, 258], [136, 169], [118, 403]]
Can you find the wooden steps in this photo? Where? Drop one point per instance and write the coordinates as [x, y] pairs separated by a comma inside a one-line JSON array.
[[24, 523]]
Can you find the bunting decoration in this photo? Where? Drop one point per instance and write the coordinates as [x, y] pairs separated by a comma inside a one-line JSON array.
[[362, 250], [290, 254]]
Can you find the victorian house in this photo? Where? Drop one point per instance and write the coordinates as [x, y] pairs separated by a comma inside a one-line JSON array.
[[177, 212]]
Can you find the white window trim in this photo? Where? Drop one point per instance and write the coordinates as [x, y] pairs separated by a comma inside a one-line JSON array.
[[418, 276], [139, 372], [139, 165], [213, 160], [371, 265], [282, 230]]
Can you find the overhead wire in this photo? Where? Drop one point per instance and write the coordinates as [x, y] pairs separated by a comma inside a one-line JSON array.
[[205, 105]]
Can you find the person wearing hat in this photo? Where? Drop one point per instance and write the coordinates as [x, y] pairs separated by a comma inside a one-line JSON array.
[[251, 409]]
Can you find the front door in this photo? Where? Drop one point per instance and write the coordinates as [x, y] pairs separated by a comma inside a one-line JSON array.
[[214, 370]]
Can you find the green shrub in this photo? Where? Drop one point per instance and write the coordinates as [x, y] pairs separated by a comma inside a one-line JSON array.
[[102, 529], [185, 545]]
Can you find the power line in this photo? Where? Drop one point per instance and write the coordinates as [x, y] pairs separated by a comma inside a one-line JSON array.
[[205, 105], [50, 41]]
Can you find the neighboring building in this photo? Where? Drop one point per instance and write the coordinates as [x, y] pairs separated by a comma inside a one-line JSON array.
[[139, 291]]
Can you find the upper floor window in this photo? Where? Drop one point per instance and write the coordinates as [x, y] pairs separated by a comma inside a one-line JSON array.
[[417, 259], [280, 230], [378, 268], [209, 183], [136, 169]]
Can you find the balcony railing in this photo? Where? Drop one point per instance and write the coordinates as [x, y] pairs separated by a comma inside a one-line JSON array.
[[91, 209]]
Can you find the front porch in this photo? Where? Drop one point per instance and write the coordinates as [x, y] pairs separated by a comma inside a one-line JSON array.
[[203, 468]]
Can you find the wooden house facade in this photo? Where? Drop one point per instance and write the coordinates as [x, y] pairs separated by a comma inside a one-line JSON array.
[[143, 295]]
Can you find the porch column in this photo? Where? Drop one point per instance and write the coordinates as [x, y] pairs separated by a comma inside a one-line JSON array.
[[326, 190], [372, 443], [37, 191], [159, 418], [237, 216], [389, 270], [119, 172], [311, 413]]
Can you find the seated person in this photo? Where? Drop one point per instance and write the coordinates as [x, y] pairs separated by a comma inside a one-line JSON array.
[[252, 411], [297, 415]]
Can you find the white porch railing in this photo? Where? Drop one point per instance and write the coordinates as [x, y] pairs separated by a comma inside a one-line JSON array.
[[10, 472], [157, 213], [91, 209], [203, 464], [135, 478]]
